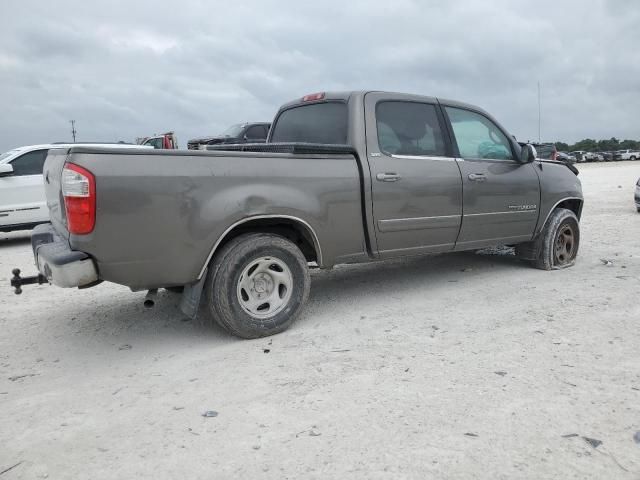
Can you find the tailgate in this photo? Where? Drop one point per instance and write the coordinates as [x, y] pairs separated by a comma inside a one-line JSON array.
[[52, 172]]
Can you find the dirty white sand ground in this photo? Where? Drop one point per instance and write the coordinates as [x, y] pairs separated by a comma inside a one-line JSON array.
[[405, 369]]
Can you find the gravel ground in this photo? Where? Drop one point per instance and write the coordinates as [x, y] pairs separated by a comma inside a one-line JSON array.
[[450, 366]]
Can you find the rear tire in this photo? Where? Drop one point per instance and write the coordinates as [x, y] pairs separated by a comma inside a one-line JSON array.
[[557, 245], [633, 158], [257, 285]]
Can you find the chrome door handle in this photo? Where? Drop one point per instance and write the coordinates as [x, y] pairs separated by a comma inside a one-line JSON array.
[[477, 177], [388, 177]]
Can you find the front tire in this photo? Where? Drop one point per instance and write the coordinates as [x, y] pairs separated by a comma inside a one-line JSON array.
[[257, 285], [557, 245]]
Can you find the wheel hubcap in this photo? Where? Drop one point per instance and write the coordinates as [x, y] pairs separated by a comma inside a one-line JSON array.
[[565, 245], [264, 287]]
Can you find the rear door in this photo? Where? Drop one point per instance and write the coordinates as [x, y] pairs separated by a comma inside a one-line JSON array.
[[22, 198], [501, 195], [415, 181]]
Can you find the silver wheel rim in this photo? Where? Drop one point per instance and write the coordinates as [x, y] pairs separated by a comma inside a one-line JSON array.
[[264, 287]]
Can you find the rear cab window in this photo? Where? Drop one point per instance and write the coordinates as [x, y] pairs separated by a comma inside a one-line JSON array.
[[325, 122]]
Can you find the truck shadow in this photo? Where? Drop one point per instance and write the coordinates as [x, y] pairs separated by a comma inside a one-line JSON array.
[[341, 287], [14, 238], [392, 277]]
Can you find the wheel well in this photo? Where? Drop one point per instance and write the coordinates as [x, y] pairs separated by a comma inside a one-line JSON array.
[[573, 204], [291, 229]]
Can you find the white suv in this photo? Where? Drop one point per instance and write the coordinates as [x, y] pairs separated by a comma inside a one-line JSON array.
[[22, 199], [627, 155]]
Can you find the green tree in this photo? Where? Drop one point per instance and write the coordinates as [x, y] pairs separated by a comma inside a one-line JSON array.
[[588, 145], [629, 144]]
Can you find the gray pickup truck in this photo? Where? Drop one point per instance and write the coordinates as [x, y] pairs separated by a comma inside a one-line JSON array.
[[344, 177]]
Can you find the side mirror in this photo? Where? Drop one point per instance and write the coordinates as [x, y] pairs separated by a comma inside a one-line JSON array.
[[245, 138], [528, 153], [6, 169]]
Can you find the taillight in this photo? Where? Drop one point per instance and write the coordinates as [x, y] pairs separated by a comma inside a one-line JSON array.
[[79, 192], [554, 155]]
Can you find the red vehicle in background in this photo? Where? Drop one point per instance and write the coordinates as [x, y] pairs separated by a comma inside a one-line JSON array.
[[163, 141]]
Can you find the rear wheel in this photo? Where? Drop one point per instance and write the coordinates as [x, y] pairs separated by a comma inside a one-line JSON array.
[[257, 285], [633, 158], [557, 245]]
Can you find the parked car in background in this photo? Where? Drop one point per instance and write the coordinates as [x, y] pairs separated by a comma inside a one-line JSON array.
[[579, 155], [163, 141], [346, 177], [584, 156], [636, 196], [566, 157], [235, 134], [605, 156], [22, 198], [627, 155]]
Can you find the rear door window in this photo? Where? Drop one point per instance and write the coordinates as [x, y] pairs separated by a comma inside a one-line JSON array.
[[409, 128], [313, 123], [477, 136], [30, 163]]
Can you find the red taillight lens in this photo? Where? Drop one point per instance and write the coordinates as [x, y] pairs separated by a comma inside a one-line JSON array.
[[79, 192], [312, 97], [554, 155]]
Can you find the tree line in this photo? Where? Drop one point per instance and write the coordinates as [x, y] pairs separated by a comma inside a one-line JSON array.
[[590, 145]]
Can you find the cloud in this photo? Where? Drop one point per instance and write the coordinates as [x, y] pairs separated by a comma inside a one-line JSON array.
[[126, 69]]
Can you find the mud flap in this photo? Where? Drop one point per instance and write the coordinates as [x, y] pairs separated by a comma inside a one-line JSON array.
[[190, 301]]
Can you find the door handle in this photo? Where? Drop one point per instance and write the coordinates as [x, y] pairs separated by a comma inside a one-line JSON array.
[[477, 177], [388, 177]]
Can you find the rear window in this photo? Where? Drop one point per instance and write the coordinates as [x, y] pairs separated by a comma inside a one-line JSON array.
[[313, 123]]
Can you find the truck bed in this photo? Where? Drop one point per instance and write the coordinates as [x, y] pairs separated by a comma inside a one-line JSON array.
[[160, 213]]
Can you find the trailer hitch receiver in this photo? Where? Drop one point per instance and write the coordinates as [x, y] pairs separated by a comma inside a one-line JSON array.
[[17, 281]]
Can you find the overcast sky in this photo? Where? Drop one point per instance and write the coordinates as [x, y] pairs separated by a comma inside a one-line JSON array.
[[124, 69]]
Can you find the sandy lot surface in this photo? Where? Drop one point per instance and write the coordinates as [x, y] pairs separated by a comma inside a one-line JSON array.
[[451, 366]]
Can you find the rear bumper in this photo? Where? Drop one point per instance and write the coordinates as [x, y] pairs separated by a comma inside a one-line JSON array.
[[56, 261]]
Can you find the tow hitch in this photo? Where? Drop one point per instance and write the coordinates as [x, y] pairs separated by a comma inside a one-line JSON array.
[[17, 281]]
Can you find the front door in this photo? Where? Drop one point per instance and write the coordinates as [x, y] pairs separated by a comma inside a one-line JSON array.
[[22, 198], [415, 181], [501, 194]]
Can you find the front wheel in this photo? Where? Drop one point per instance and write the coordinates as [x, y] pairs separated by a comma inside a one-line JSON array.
[[557, 245], [257, 285]]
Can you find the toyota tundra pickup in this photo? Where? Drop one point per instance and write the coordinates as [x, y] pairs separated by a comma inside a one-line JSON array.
[[343, 178]]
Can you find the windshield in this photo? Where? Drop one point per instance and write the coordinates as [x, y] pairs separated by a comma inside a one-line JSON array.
[[8, 154], [233, 130]]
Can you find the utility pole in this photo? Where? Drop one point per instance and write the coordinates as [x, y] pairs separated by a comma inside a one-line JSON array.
[[73, 129], [539, 112]]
